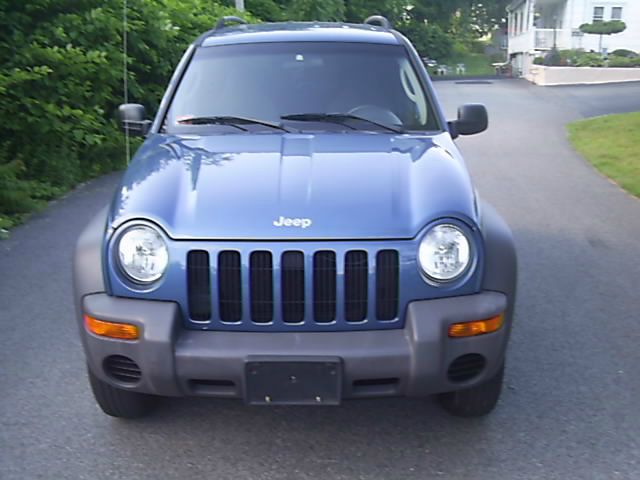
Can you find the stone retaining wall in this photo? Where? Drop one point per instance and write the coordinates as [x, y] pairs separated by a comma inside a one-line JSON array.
[[541, 75]]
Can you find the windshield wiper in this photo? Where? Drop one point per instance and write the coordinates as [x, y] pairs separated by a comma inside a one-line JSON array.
[[339, 118], [231, 121]]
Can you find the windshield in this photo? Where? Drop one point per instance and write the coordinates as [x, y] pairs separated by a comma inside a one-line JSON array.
[[269, 81]]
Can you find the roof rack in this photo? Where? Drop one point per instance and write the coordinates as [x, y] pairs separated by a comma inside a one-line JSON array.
[[378, 20], [225, 21]]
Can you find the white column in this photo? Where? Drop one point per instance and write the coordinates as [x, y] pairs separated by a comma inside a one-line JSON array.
[[531, 8]]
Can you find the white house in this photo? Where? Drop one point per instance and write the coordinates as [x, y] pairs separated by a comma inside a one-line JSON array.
[[535, 26]]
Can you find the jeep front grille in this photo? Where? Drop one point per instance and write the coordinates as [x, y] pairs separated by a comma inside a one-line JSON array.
[[319, 287]]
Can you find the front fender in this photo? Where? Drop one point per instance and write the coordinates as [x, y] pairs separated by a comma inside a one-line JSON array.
[[500, 262], [88, 273]]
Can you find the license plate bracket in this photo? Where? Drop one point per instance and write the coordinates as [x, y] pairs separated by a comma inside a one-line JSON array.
[[293, 380]]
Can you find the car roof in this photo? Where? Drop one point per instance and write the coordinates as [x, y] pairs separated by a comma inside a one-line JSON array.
[[299, 32]]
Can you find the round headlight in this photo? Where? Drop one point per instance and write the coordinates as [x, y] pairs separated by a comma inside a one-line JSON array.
[[444, 253], [143, 254]]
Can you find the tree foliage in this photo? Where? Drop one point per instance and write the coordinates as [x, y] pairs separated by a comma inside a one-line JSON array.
[[604, 28], [61, 81], [325, 10], [430, 40], [357, 11]]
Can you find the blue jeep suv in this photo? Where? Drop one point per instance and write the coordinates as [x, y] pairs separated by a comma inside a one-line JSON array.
[[298, 228]]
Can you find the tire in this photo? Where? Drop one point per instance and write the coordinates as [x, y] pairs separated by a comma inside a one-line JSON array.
[[121, 403], [476, 401]]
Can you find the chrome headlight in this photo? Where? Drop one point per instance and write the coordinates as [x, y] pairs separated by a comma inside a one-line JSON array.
[[444, 253], [142, 254]]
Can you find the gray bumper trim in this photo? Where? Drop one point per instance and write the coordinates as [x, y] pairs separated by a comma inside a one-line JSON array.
[[417, 356]]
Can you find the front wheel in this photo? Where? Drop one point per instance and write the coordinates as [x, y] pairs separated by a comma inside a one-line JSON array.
[[120, 403], [475, 401]]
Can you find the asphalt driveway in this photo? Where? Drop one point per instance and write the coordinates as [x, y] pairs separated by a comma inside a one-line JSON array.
[[571, 406]]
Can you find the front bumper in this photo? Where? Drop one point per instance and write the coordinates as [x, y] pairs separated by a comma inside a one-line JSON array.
[[412, 361]]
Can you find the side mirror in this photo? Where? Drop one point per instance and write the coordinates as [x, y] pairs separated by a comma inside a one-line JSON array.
[[132, 121], [472, 119]]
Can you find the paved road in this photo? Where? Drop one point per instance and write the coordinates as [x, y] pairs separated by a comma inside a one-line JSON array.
[[571, 408]]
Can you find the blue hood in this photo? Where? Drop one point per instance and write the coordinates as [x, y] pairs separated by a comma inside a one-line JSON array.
[[324, 186]]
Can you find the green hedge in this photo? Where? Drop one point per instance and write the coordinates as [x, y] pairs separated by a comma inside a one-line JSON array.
[[590, 60], [616, 61], [623, 52], [580, 58], [61, 81]]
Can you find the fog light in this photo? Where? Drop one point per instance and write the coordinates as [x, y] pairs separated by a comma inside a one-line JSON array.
[[121, 331], [479, 327]]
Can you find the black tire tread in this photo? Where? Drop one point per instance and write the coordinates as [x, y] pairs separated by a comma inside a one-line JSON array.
[[476, 401], [120, 403]]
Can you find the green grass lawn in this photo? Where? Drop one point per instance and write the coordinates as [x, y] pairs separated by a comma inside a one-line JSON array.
[[475, 64], [612, 145]]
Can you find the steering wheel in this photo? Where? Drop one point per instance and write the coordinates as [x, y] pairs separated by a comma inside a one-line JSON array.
[[376, 114]]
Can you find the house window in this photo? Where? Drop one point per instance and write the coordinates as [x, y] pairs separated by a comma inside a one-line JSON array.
[[598, 14], [616, 13]]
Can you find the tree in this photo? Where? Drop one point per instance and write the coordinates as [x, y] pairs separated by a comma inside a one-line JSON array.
[[61, 80], [429, 39], [603, 28], [324, 11], [358, 10], [266, 10]]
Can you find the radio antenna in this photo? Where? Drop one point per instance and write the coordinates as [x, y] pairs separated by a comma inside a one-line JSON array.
[[125, 75]]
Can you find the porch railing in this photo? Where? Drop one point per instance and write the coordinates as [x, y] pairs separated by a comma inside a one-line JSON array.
[[545, 38]]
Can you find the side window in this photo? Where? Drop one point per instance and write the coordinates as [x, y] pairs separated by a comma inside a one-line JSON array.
[[598, 14]]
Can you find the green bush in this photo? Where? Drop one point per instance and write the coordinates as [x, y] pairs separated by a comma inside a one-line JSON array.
[[14, 194], [552, 58], [570, 57], [538, 61], [615, 61], [61, 82], [623, 52], [590, 60]]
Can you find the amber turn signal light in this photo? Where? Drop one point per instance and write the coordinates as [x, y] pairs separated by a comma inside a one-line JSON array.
[[479, 327], [121, 331]]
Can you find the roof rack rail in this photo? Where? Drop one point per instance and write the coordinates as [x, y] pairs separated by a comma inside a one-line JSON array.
[[378, 20], [225, 21]]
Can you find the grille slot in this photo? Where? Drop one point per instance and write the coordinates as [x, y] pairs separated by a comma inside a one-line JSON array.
[[356, 271], [261, 285], [292, 286], [229, 286], [387, 284], [199, 285], [324, 286], [122, 368], [466, 367]]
